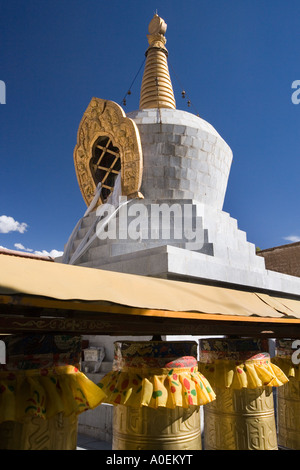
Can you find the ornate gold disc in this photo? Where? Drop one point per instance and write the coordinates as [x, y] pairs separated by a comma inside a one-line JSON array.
[[108, 143]]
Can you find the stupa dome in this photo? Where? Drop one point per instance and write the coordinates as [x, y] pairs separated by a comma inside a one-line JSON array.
[[184, 157]]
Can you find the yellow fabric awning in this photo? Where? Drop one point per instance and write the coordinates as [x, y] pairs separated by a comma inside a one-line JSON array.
[[33, 279]]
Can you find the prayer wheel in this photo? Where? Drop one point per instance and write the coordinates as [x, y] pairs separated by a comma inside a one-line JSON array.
[[146, 428], [288, 396], [157, 391], [42, 392], [241, 373]]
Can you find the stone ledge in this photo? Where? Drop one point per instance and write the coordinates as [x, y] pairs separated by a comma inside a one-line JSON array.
[[172, 262]]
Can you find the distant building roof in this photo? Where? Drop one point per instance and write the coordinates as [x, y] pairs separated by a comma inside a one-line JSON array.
[[284, 259], [23, 254]]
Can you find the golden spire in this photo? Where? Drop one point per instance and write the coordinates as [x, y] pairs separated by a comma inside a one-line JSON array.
[[157, 90]]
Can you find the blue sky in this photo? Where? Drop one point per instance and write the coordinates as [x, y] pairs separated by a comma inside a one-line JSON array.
[[236, 60]]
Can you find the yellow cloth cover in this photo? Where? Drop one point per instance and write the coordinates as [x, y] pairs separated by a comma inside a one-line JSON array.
[[248, 374], [291, 370], [46, 392], [155, 388]]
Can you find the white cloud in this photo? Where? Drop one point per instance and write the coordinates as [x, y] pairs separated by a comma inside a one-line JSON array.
[[52, 253], [292, 238], [9, 224], [19, 246]]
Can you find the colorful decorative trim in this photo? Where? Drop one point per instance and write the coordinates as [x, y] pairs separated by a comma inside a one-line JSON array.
[[238, 363], [183, 387], [46, 392], [155, 354], [234, 349], [251, 374], [41, 351], [156, 374], [292, 371], [287, 358]]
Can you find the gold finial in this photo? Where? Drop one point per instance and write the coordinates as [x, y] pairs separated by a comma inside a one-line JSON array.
[[157, 90], [157, 25]]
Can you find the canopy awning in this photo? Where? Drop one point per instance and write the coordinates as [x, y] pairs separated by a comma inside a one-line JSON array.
[[36, 294]]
